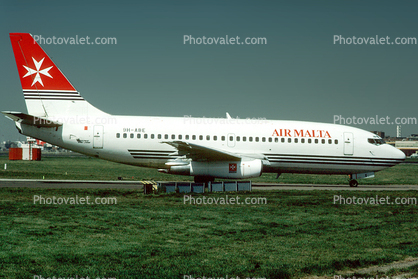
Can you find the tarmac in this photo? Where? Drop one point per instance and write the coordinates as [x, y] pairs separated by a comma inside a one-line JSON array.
[[98, 184]]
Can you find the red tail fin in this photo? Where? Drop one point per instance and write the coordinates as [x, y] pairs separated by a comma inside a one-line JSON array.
[[37, 72], [48, 93]]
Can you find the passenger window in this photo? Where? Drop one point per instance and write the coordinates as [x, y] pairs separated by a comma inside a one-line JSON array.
[[336, 141], [207, 137], [330, 141], [231, 138], [173, 136], [152, 136], [125, 135], [282, 140], [289, 140], [200, 137], [263, 139], [323, 141], [138, 136], [180, 137], [270, 139], [159, 136], [215, 138], [166, 136], [302, 140], [316, 140], [187, 137], [257, 139], [244, 138], [117, 135], [194, 137], [238, 138], [309, 140], [131, 136], [296, 140], [145, 136], [276, 139], [223, 138], [250, 138]]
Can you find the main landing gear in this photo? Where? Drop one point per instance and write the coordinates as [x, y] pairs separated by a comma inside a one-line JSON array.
[[204, 179], [352, 180], [353, 183]]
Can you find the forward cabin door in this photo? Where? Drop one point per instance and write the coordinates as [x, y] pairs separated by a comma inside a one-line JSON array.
[[348, 144], [98, 137]]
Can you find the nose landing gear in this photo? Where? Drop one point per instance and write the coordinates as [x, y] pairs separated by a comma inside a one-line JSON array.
[[352, 180]]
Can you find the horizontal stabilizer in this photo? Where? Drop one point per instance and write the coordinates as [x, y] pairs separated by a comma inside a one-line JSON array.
[[27, 119]]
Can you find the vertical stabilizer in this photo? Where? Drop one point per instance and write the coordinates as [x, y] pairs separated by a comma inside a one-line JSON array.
[[47, 92]]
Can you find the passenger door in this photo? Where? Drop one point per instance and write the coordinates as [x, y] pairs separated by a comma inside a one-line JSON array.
[[348, 144], [98, 137]]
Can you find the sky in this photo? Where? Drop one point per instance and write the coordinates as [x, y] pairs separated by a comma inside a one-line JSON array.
[[298, 74]]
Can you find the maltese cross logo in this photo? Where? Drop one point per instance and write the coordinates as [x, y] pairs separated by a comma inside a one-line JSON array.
[[37, 72], [232, 168]]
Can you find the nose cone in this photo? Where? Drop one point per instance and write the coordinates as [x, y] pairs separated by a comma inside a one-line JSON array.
[[397, 154]]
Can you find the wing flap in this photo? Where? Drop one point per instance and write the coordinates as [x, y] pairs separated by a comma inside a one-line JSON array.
[[201, 153]]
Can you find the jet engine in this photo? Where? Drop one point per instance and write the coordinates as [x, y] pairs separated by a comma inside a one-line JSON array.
[[218, 169]]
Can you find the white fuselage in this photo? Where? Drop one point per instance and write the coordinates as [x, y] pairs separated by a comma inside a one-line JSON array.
[[282, 146]]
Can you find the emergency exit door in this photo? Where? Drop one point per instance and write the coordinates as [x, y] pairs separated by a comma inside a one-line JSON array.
[[230, 140]]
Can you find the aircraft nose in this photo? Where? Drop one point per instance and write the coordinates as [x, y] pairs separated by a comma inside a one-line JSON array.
[[397, 154]]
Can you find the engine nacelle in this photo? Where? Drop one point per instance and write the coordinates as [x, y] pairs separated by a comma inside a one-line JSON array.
[[220, 169]]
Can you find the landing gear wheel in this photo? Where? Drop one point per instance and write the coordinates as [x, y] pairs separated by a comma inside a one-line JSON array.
[[353, 183]]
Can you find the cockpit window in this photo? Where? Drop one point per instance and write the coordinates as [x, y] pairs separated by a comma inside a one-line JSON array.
[[375, 141], [380, 141]]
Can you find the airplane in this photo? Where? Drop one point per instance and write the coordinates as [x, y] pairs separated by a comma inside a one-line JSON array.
[[206, 148]]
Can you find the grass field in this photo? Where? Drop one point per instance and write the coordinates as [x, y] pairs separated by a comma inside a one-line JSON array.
[[295, 234], [82, 167]]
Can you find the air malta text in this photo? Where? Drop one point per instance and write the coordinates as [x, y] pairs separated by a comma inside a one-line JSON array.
[[301, 133]]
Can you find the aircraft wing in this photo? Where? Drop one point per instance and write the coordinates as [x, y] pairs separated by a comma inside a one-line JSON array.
[[201, 153], [30, 119]]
